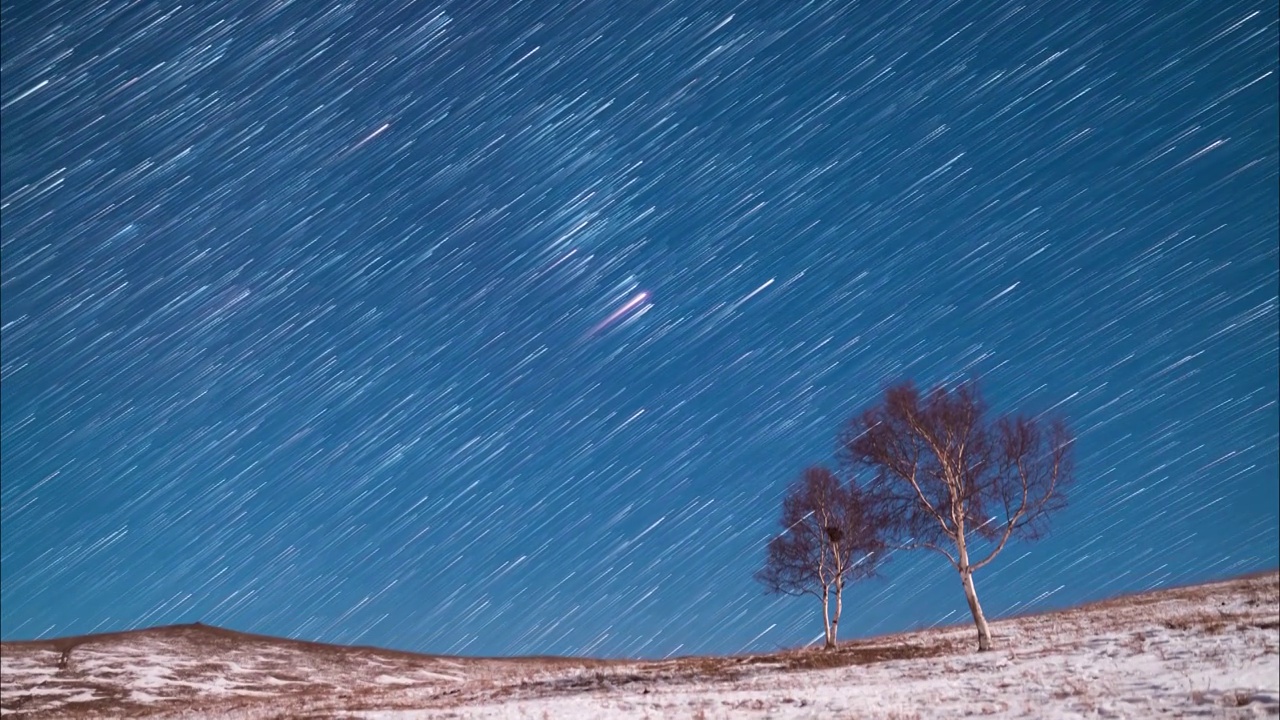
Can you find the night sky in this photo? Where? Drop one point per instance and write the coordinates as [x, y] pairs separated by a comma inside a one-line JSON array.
[[500, 327]]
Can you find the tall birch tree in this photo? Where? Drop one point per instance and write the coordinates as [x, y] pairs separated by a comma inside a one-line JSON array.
[[958, 480]]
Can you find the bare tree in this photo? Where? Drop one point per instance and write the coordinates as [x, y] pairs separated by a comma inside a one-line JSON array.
[[958, 481], [829, 536]]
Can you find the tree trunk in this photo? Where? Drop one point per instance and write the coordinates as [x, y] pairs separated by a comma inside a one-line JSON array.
[[826, 621], [835, 620], [970, 594]]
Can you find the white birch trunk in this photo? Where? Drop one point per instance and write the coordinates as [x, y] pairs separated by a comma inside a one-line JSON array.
[[835, 621], [971, 594], [826, 620]]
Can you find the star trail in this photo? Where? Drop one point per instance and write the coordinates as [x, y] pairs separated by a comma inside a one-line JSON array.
[[500, 327]]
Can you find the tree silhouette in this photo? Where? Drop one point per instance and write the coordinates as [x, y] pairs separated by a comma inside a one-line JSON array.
[[946, 471], [830, 535]]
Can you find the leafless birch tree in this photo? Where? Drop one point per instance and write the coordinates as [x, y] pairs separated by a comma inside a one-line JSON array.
[[829, 536], [957, 480]]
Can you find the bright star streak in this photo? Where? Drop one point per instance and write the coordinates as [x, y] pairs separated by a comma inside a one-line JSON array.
[[627, 307]]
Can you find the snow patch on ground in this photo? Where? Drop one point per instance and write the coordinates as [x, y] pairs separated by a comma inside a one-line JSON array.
[[1206, 651]]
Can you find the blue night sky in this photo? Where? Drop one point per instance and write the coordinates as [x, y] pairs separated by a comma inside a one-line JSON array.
[[500, 327]]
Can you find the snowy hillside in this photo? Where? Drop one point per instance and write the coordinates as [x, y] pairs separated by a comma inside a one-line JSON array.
[[1207, 651]]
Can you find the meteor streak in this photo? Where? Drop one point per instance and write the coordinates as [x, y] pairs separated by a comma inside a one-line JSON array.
[[367, 138], [627, 307], [370, 136]]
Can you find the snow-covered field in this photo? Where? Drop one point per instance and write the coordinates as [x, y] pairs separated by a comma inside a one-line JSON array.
[[1206, 651]]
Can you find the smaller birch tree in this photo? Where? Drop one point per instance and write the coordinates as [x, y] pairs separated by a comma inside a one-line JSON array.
[[830, 535]]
